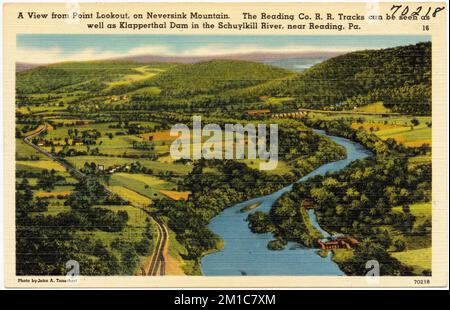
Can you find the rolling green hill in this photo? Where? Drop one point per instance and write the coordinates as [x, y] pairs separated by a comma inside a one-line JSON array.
[[211, 77], [400, 77], [75, 76]]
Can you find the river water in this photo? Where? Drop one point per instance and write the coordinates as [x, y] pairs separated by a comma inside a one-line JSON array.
[[246, 253]]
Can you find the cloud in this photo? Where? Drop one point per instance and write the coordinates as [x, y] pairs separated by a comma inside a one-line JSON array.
[[57, 54]]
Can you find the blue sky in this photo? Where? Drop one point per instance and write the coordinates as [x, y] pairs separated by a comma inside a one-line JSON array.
[[49, 48]]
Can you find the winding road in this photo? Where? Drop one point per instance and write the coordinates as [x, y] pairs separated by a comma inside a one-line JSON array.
[[157, 265]]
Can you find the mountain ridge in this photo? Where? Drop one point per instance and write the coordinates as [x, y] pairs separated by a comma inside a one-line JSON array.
[[254, 56]]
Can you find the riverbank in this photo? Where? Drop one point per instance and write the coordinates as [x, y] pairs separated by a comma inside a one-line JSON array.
[[247, 253]]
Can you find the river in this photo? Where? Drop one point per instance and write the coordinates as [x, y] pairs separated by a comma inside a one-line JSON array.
[[246, 253]]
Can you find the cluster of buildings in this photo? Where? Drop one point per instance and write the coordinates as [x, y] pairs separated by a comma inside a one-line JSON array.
[[337, 242]]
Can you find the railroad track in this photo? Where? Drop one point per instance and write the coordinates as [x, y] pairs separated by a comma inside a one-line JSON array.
[[158, 262]]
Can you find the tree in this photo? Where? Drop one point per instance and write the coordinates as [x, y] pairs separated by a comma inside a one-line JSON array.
[[415, 122]]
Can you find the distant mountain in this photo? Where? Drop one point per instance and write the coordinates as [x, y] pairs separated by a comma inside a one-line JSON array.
[[400, 77], [22, 66], [258, 57], [207, 80], [173, 81]]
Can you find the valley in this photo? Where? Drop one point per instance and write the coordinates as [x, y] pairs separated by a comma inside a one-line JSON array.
[[96, 182]]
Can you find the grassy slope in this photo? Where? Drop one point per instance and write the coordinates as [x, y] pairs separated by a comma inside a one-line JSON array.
[[176, 168], [145, 185], [418, 252]]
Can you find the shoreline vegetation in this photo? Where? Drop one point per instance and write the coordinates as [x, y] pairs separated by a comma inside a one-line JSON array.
[[110, 119], [390, 236], [218, 193]]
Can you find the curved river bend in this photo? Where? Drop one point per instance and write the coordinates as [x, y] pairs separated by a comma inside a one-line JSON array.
[[246, 253]]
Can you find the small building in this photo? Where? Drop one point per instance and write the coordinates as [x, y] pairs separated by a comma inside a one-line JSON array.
[[331, 243], [41, 143]]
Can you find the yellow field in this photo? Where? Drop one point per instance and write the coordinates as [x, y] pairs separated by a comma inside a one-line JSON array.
[[29, 133], [415, 137], [418, 209], [52, 194], [375, 127], [158, 136], [41, 164], [130, 195], [175, 195], [421, 159], [419, 259], [376, 107], [147, 179], [418, 248], [142, 73], [166, 159]]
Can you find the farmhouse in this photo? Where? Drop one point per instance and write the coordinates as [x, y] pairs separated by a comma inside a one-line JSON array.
[[344, 242]]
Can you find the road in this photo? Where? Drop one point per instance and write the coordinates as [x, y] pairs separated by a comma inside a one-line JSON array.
[[158, 261]]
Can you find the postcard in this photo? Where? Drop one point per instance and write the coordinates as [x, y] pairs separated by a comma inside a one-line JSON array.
[[289, 145]]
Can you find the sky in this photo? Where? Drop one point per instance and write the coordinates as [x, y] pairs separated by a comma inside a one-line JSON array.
[[51, 48]]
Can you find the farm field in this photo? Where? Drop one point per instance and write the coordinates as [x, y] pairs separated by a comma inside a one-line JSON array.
[[175, 195], [282, 166], [418, 248], [156, 166], [145, 185], [376, 107], [24, 151], [398, 127], [422, 211], [418, 259], [111, 121], [39, 165], [52, 194], [142, 73], [130, 195]]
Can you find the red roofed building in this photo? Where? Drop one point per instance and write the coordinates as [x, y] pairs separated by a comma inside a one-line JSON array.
[[338, 243]]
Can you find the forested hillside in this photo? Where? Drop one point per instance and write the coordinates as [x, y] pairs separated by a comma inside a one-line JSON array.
[[76, 76], [400, 77], [88, 74], [214, 76]]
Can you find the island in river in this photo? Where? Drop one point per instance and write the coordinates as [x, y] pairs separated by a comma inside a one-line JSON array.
[[246, 253]]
